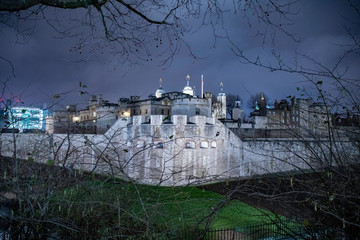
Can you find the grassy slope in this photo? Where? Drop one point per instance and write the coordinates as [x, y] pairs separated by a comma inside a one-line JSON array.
[[170, 207]]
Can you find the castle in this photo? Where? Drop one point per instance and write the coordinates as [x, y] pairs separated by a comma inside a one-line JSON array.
[[100, 114], [176, 138]]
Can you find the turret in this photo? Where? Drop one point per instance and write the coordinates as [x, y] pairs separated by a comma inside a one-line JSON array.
[[221, 99], [159, 92], [187, 89]]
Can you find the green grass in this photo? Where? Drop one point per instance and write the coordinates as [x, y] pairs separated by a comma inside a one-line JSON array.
[[168, 206], [238, 213], [98, 206]]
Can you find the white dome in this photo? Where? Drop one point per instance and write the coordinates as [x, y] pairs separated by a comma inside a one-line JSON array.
[[188, 90], [159, 92]]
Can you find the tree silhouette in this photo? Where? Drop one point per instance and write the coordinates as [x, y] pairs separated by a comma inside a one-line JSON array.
[[255, 99]]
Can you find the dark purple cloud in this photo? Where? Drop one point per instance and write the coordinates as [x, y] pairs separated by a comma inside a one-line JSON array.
[[48, 64]]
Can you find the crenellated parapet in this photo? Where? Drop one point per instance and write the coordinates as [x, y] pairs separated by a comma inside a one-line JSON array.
[[173, 120]]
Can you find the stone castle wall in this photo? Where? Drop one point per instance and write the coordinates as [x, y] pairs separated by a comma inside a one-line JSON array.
[[184, 151]]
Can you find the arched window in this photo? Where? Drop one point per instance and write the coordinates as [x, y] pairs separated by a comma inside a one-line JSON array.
[[204, 144], [140, 144], [190, 144]]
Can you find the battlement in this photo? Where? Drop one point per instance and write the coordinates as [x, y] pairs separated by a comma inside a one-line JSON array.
[[190, 100], [174, 120]]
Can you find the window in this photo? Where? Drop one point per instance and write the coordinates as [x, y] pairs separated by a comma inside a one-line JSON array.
[[213, 144], [140, 144], [162, 111], [197, 111], [190, 144], [146, 111], [204, 144], [158, 144]]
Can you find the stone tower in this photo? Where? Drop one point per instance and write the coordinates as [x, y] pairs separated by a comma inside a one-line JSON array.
[[238, 112], [221, 99]]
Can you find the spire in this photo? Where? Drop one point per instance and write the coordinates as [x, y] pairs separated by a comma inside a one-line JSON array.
[[187, 89], [221, 99], [221, 93], [159, 92]]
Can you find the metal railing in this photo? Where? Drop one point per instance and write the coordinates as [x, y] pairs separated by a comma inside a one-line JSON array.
[[275, 230]]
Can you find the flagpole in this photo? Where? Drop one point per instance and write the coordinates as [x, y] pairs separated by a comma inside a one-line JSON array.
[[202, 86]]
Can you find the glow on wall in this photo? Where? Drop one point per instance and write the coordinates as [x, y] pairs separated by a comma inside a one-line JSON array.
[[26, 118]]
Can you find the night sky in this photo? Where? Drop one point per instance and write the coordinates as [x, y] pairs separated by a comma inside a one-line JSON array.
[[47, 63]]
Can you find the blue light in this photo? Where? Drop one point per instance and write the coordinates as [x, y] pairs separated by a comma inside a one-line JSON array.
[[26, 118]]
